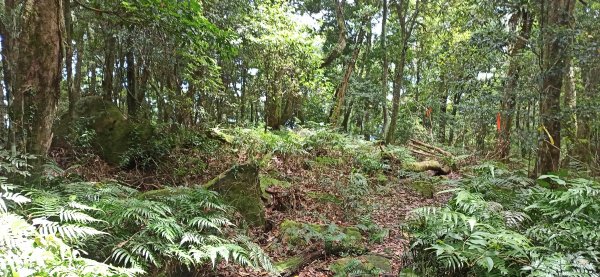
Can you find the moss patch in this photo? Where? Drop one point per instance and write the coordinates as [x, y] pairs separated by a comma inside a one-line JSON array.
[[268, 181], [292, 262], [324, 197], [112, 130], [366, 265], [336, 238], [425, 188], [240, 187], [327, 161]]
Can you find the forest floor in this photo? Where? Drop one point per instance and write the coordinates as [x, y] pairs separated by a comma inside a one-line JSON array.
[[315, 193]]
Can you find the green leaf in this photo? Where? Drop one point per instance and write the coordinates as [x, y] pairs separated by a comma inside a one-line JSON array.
[[490, 263]]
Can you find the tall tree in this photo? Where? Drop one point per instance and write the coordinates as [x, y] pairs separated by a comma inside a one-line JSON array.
[[523, 20], [385, 69], [37, 68], [556, 19], [407, 24]]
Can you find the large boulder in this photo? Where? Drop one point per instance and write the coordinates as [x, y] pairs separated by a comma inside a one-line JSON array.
[[239, 187], [110, 131]]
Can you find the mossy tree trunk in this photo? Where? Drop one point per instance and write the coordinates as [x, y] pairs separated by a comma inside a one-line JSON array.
[[37, 66]]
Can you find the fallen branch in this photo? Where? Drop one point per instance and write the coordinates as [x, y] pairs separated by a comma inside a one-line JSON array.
[[434, 148], [423, 150], [426, 154]]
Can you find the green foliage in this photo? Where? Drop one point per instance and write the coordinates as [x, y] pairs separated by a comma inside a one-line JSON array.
[[336, 239], [535, 231], [186, 226], [258, 142], [354, 267], [354, 194], [376, 233], [148, 145], [34, 245]]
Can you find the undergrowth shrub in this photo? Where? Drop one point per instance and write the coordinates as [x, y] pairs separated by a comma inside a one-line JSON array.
[[164, 229], [258, 142], [498, 223], [354, 194], [34, 245], [64, 229], [148, 145]]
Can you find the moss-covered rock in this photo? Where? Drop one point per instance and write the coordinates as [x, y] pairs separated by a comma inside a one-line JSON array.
[[366, 265], [425, 188], [240, 187], [111, 131], [336, 238]]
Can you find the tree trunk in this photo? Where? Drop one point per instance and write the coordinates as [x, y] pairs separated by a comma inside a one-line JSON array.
[[557, 14], [510, 94], [75, 92], [587, 112], [340, 93], [132, 92], [407, 25], [385, 70], [347, 114], [443, 110], [69, 51], [37, 74], [398, 84], [109, 68], [455, 103], [341, 45]]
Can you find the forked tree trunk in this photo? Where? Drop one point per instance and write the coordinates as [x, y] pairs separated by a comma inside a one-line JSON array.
[[407, 25]]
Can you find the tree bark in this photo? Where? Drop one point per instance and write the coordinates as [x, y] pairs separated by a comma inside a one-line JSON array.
[[557, 15], [132, 92], [587, 113], [443, 98], [510, 96], [69, 53], [340, 93], [109, 68], [341, 44], [385, 70], [37, 74]]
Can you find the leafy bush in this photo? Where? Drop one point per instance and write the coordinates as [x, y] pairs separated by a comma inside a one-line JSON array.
[[535, 231]]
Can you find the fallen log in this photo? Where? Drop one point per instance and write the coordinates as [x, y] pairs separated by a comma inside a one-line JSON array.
[[432, 165]]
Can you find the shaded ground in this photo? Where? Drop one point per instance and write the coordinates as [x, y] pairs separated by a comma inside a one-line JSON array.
[[315, 195]]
